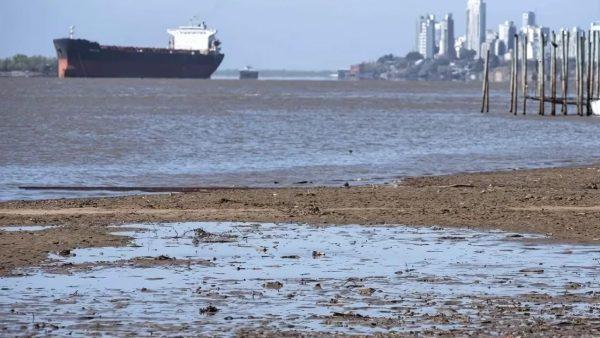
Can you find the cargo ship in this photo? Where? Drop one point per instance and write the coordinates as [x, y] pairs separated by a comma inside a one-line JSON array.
[[193, 52]]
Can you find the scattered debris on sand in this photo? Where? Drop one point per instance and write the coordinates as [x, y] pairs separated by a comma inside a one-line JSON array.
[[209, 310], [202, 236], [273, 285]]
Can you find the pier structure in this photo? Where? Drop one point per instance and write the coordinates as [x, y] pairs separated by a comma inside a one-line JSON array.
[[586, 66]]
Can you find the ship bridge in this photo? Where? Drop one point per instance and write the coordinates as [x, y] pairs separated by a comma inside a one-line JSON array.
[[194, 38]]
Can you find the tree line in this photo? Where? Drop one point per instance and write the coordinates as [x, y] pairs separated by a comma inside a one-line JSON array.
[[38, 64]]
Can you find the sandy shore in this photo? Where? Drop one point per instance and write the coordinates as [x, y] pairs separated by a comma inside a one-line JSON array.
[[561, 203]]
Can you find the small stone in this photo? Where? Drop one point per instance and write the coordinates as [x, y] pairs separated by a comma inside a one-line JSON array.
[[209, 310], [366, 291], [273, 285]]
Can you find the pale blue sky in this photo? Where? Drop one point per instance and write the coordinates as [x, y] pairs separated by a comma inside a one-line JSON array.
[[293, 34]]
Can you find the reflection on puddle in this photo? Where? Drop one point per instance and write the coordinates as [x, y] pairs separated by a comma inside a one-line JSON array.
[[26, 228], [287, 277]]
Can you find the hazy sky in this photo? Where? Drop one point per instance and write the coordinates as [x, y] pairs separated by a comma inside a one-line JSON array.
[[275, 34]]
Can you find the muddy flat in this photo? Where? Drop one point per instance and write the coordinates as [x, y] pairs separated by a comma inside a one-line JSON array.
[[234, 278], [561, 203], [525, 242]]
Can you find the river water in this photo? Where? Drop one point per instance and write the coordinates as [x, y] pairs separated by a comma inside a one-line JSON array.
[[115, 132]]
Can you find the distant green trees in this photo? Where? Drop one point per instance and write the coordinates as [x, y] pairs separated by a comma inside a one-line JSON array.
[[414, 56], [38, 64]]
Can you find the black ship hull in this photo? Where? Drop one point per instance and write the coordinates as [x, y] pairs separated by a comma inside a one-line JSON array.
[[83, 58]]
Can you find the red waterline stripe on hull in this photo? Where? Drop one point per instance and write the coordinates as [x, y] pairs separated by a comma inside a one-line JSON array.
[[63, 64]]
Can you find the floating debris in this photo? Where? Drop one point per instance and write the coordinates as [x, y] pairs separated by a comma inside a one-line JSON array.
[[533, 270]]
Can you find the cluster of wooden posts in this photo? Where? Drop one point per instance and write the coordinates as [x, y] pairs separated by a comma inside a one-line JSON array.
[[587, 74]]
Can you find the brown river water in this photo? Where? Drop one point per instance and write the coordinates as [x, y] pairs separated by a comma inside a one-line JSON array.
[[114, 132], [207, 278]]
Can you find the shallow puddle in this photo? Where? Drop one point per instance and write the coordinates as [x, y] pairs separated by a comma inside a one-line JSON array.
[[26, 228], [176, 280]]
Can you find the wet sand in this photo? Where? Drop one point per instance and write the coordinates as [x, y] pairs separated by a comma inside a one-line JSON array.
[[203, 278], [558, 206], [563, 204]]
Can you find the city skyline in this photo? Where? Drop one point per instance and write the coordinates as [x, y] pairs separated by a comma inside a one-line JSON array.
[[265, 33], [432, 38]]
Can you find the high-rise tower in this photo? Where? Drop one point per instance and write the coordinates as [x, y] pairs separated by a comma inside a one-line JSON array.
[[506, 33], [447, 38], [426, 36], [476, 25], [528, 19]]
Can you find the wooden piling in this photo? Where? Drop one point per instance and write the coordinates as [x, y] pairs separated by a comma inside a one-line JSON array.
[[516, 84], [512, 80], [594, 63], [553, 73], [589, 63], [485, 105], [577, 71], [566, 37], [597, 62], [598, 65], [525, 79], [587, 73], [562, 69], [581, 73], [542, 76], [487, 81], [536, 78]]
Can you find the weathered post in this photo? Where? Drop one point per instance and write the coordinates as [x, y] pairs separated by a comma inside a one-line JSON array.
[[562, 69], [512, 80], [553, 70], [597, 58], [565, 70], [516, 99], [582, 73], [485, 102], [590, 62], [542, 75], [487, 80], [525, 79], [598, 65], [578, 72], [536, 78]]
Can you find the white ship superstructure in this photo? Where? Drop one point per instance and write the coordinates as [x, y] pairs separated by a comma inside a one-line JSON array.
[[194, 38]]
